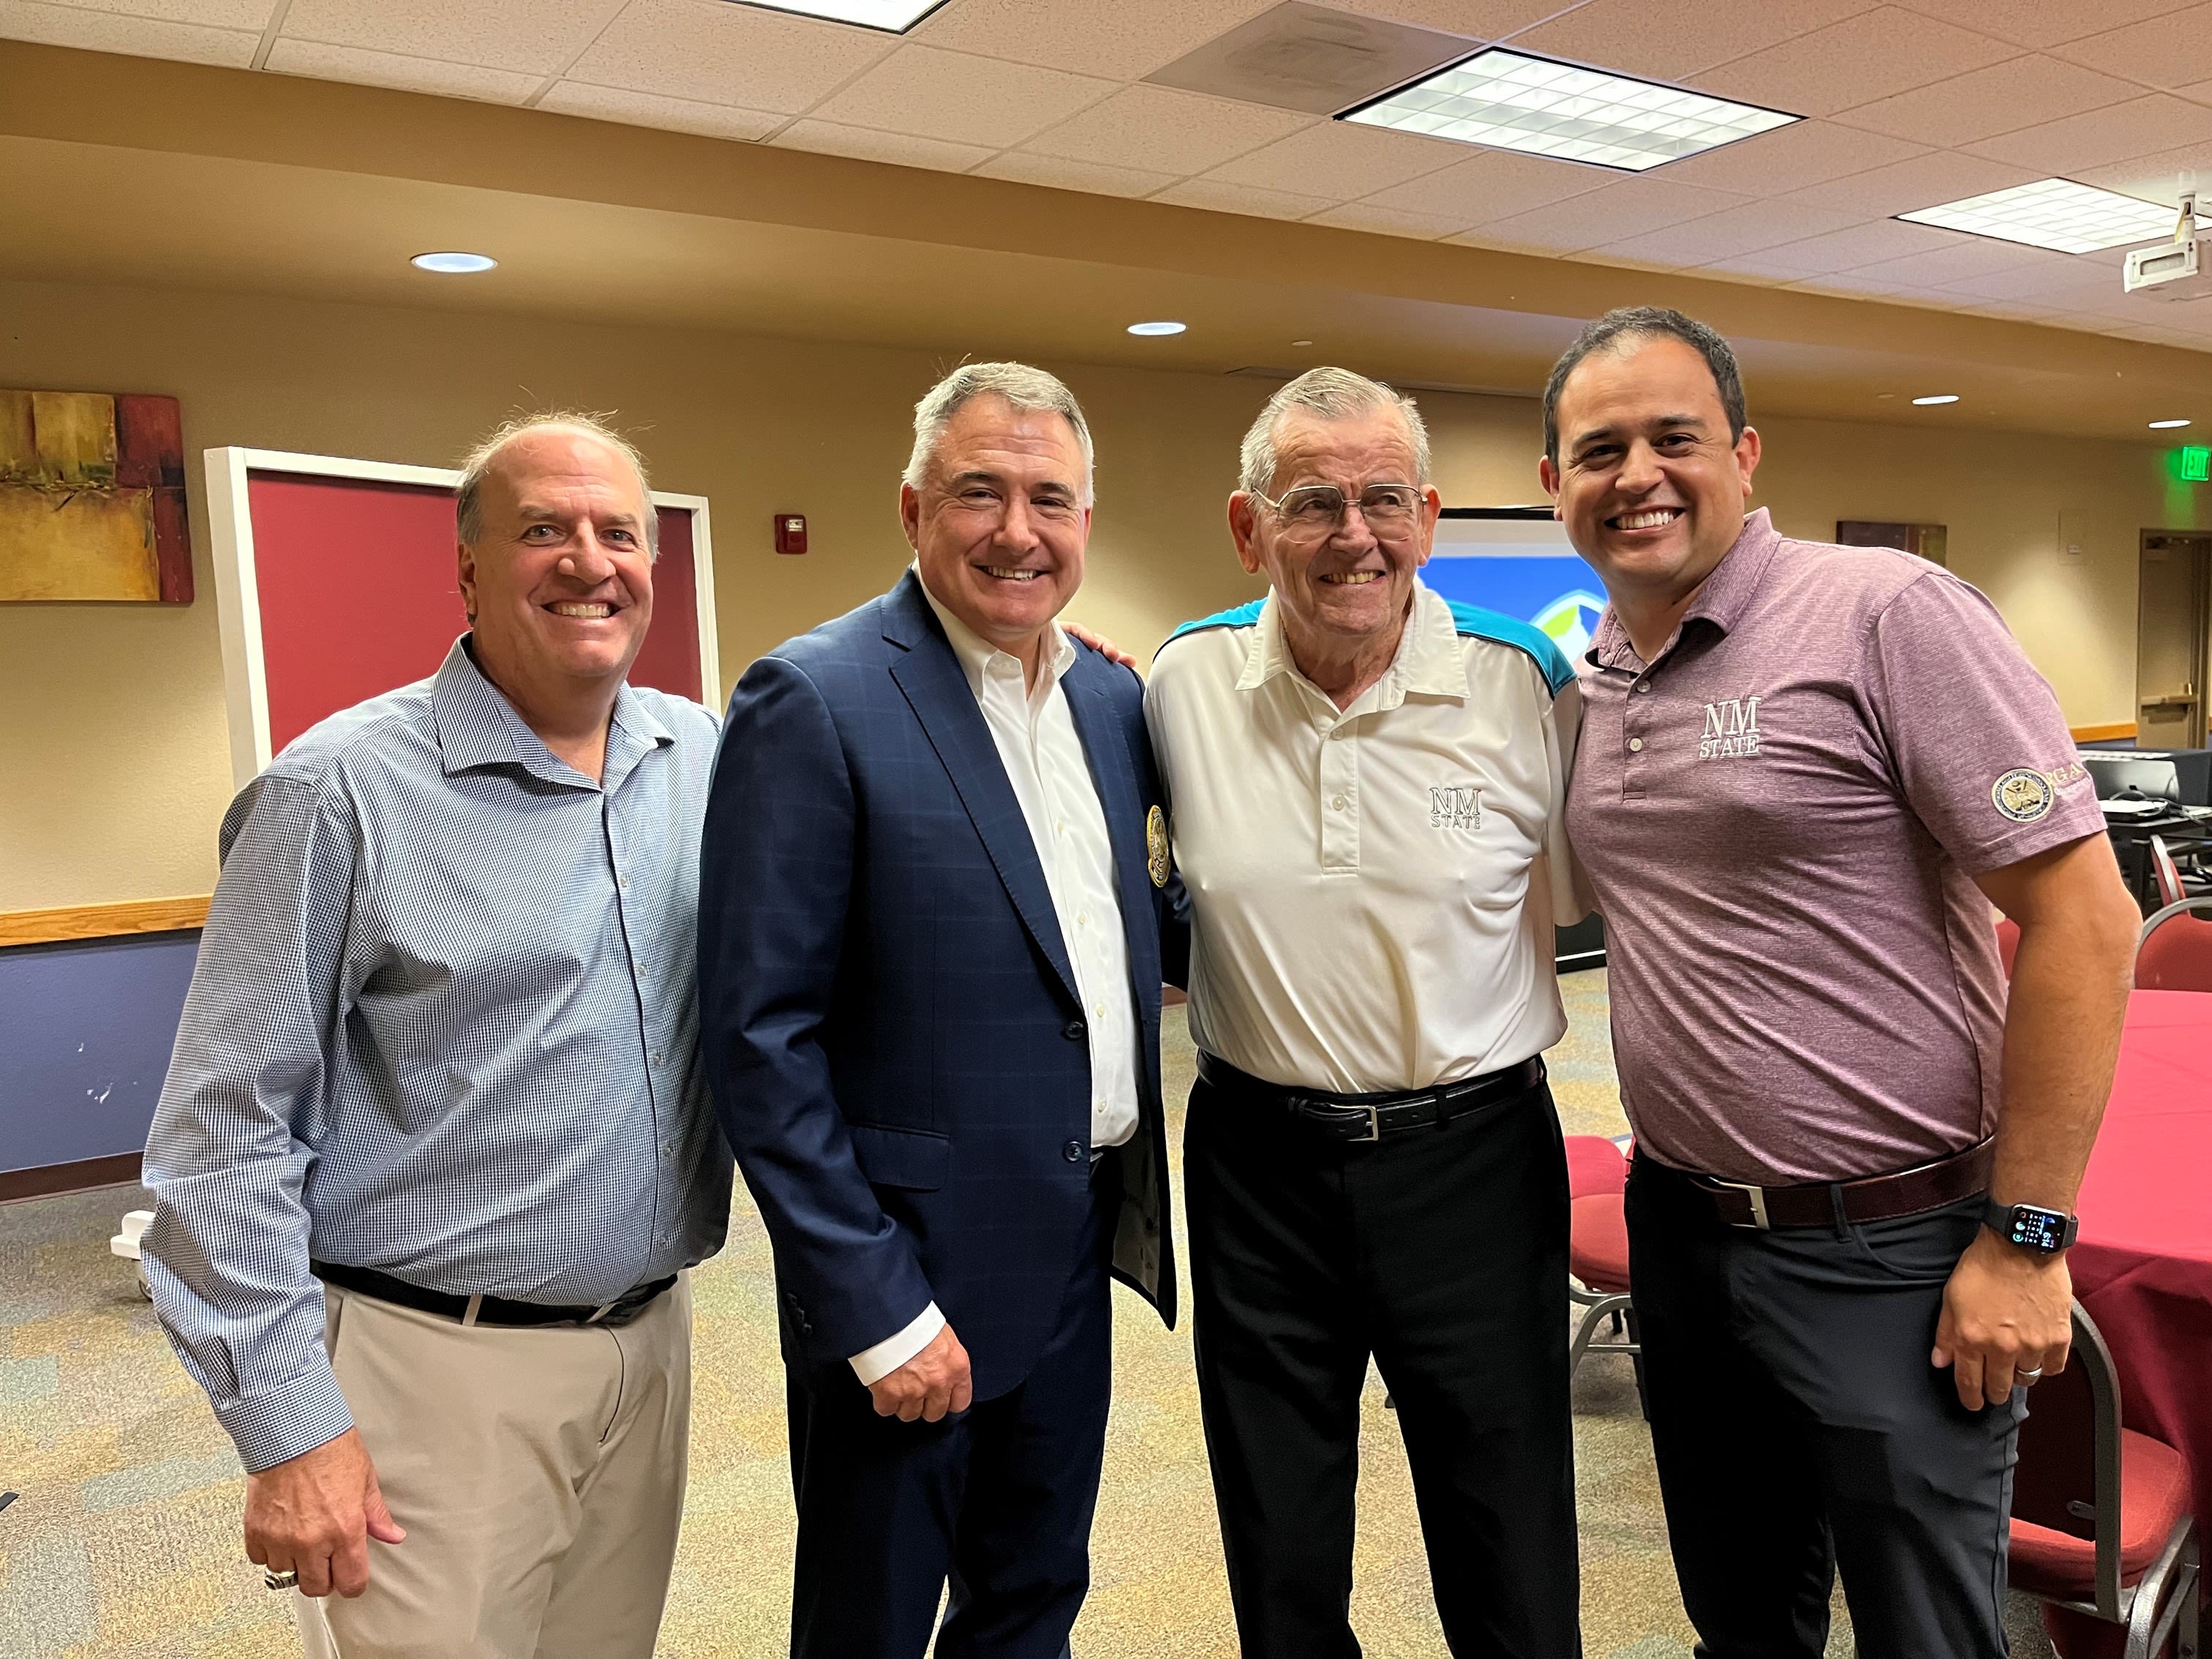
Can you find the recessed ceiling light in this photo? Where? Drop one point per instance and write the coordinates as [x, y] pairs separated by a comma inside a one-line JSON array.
[[1299, 342], [2166, 425], [1940, 397], [893, 16], [1152, 329], [453, 264], [2052, 213], [1508, 101]]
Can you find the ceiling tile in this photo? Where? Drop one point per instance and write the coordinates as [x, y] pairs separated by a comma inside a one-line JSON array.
[[1969, 259], [2141, 126], [1492, 184], [138, 37], [1983, 103], [645, 109], [1632, 208], [718, 53], [2173, 51], [212, 14], [2199, 92], [1337, 161], [539, 36], [961, 99], [1163, 130], [1730, 232], [2042, 23], [1385, 221], [1124, 41], [1873, 55], [2070, 286], [1219, 197], [1483, 20], [1923, 181], [1845, 250], [2156, 176], [1058, 173], [390, 69], [865, 145], [1665, 43], [1792, 158], [1851, 281]]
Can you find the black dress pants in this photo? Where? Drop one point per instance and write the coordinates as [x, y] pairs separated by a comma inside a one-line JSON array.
[[1443, 1253], [1799, 1427], [999, 1498]]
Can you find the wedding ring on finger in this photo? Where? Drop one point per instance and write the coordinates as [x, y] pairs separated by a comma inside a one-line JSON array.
[[287, 1579], [2028, 1375]]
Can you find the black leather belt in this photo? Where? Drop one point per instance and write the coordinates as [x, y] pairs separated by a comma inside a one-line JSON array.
[[487, 1309], [1877, 1197], [1370, 1117]]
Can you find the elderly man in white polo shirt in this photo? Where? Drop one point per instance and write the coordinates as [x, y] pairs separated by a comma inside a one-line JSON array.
[[1366, 785]]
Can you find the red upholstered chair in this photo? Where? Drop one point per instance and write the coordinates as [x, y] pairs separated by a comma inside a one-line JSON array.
[[2007, 943], [2175, 950], [1597, 1251], [2100, 1521]]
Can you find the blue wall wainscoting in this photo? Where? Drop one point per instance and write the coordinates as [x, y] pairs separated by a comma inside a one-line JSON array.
[[86, 1027]]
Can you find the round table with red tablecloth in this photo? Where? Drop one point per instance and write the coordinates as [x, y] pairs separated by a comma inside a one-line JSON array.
[[2142, 1264]]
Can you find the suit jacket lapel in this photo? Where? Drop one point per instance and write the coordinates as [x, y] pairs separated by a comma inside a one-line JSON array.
[[1114, 774], [929, 677]]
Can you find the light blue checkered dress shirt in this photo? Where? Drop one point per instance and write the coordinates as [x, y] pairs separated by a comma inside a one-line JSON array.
[[445, 1024]]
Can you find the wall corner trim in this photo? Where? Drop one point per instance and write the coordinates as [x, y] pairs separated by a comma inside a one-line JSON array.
[[163, 915]]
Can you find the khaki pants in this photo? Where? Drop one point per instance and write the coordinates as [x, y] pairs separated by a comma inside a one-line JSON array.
[[538, 1472]]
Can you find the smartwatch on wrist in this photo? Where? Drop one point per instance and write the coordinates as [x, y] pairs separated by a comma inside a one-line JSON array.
[[2044, 1232]]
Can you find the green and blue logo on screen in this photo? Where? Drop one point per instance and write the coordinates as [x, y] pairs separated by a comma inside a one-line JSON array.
[[1571, 620], [1553, 589]]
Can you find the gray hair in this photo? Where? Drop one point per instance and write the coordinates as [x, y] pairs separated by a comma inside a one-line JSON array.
[[1621, 330], [1331, 394], [468, 496], [1018, 385]]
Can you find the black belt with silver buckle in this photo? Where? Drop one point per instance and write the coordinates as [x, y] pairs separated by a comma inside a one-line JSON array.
[[1370, 1117], [487, 1309], [1915, 1191]]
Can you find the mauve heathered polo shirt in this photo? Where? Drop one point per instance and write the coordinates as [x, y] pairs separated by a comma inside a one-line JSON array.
[[1781, 816]]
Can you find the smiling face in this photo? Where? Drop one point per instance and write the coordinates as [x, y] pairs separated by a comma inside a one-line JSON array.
[[1346, 588], [1649, 484], [559, 582], [999, 526]]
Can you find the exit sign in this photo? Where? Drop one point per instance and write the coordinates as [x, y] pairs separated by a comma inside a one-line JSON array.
[[2195, 463]]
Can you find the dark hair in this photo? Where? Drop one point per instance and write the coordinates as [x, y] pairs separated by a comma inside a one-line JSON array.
[[1633, 322]]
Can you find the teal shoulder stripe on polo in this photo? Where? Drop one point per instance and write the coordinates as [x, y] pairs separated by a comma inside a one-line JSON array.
[[1474, 621], [1242, 616]]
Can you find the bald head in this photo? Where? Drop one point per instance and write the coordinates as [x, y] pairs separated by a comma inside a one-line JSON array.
[[564, 438]]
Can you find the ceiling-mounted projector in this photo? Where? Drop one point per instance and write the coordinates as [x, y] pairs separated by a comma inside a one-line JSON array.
[[2170, 270]]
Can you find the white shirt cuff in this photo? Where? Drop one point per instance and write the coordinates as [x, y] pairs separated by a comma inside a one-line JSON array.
[[872, 1365]]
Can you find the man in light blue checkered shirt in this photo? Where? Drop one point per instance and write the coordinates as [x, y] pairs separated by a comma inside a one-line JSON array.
[[434, 1149]]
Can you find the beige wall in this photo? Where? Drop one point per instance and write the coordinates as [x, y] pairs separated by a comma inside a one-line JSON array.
[[119, 770]]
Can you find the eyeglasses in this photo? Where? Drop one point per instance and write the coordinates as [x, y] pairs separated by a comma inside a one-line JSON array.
[[1313, 511]]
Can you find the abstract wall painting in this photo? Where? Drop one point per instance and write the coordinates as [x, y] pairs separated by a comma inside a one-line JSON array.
[[91, 499]]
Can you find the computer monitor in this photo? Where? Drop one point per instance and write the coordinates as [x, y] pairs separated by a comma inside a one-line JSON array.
[[2181, 776]]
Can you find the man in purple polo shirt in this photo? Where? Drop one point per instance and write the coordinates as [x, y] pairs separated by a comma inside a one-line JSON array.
[[1805, 774]]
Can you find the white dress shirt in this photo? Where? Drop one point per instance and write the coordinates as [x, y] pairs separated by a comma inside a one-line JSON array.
[[1034, 734], [1373, 890]]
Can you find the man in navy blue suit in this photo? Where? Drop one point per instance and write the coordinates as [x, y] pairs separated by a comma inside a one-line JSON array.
[[930, 940]]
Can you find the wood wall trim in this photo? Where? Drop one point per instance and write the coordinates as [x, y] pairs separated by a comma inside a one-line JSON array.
[[80, 1176], [2104, 733], [164, 916]]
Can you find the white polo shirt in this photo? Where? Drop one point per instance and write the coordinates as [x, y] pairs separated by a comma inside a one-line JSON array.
[[1373, 890]]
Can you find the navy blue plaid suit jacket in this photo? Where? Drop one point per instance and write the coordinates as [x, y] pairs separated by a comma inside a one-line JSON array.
[[890, 1024]]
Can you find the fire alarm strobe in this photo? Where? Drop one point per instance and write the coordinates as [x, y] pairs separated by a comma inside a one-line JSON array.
[[791, 532]]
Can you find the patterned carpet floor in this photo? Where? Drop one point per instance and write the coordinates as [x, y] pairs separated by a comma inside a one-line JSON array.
[[124, 1540]]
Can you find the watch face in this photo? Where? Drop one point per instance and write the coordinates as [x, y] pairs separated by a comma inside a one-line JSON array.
[[2037, 1229]]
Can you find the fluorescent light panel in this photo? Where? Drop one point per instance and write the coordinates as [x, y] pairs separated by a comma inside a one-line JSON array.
[[893, 16], [2053, 213], [1507, 100]]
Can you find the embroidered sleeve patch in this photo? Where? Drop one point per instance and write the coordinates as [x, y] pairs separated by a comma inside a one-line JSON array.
[[2023, 794]]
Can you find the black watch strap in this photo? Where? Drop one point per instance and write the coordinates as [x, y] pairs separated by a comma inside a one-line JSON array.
[[2046, 1232]]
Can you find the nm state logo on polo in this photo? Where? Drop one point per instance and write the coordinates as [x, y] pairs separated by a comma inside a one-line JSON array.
[[1731, 729]]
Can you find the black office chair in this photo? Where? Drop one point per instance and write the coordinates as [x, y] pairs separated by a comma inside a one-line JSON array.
[[2100, 1521]]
